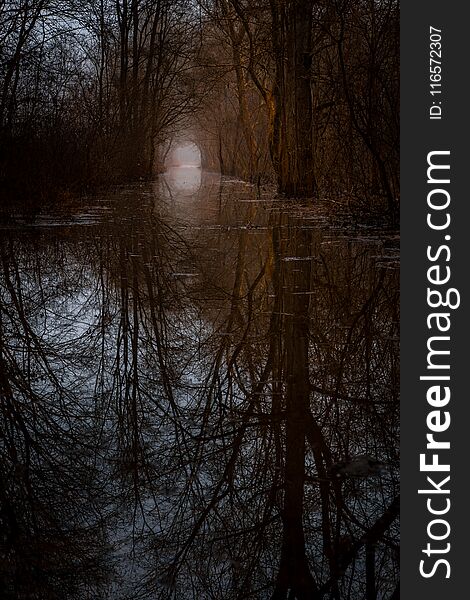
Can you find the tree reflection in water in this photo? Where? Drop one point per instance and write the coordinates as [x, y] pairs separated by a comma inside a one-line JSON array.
[[199, 400]]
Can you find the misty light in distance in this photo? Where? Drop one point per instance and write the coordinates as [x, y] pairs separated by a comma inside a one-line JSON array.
[[185, 155], [183, 170]]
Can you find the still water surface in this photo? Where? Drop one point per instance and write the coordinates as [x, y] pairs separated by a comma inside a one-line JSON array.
[[199, 398]]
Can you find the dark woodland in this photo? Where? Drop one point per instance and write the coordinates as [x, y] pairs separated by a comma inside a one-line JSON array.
[[199, 300]]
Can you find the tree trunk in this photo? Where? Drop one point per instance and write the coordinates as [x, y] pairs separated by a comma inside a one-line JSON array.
[[292, 133]]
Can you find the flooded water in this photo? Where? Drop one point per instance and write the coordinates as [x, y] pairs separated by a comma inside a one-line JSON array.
[[199, 398]]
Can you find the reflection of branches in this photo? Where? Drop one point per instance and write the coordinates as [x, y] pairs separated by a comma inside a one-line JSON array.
[[191, 402], [371, 537], [42, 511]]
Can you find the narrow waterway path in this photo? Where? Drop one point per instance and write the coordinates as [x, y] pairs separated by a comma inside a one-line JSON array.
[[199, 389]]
